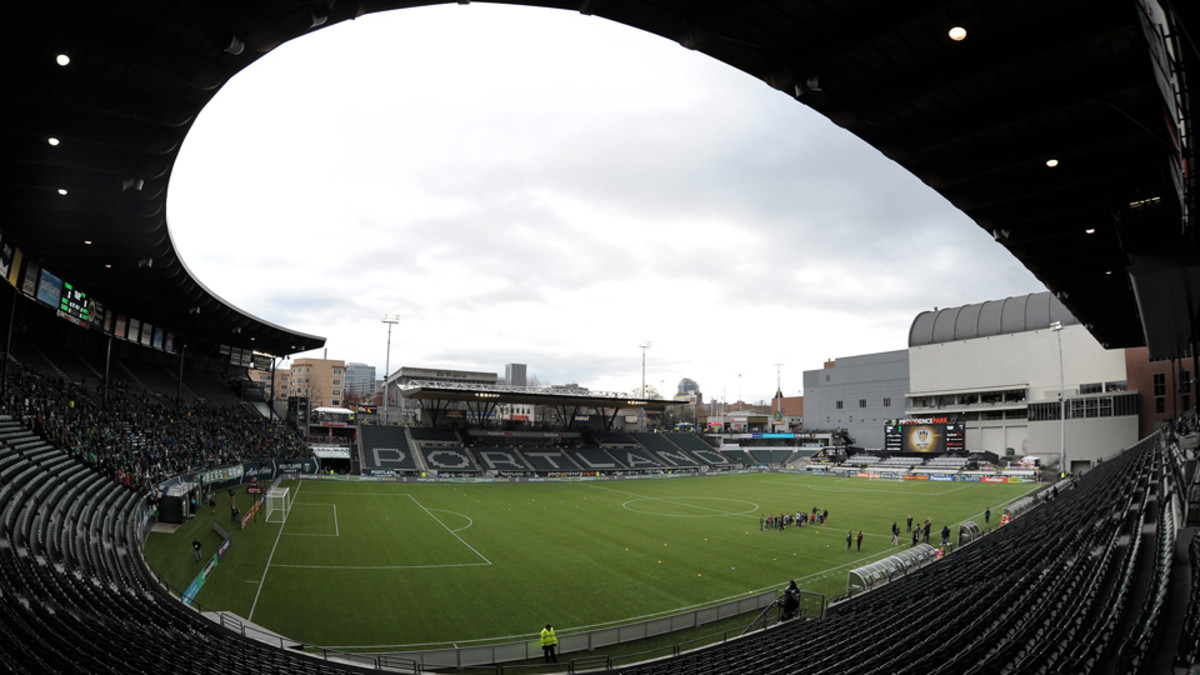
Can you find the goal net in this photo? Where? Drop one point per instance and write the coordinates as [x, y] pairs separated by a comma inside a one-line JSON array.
[[279, 503]]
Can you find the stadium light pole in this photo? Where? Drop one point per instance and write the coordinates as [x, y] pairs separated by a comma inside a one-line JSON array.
[[644, 346], [390, 320], [741, 403], [778, 394], [1057, 327]]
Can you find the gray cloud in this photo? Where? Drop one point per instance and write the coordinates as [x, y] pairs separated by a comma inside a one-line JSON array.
[[558, 212]]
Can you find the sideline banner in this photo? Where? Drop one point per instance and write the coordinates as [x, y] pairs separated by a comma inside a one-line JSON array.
[[251, 512], [193, 588]]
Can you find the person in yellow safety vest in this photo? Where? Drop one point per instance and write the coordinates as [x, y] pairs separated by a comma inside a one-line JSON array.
[[549, 641]]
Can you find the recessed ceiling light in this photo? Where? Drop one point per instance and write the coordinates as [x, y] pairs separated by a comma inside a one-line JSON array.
[[108, 266], [62, 59], [52, 140], [1052, 163], [62, 191], [88, 242], [1090, 230], [958, 33], [1108, 272]]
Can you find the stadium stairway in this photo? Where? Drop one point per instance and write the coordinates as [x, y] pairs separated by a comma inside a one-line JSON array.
[[418, 457]]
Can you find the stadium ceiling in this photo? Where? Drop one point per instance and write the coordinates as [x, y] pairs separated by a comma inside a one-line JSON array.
[[1076, 83]]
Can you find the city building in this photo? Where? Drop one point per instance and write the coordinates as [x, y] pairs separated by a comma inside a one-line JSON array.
[[321, 381], [281, 385], [360, 379], [403, 410], [514, 374], [1000, 368], [787, 412], [858, 394], [995, 366]]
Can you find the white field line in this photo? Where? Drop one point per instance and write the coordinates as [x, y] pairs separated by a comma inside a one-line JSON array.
[[452, 532], [383, 567], [336, 531], [263, 580]]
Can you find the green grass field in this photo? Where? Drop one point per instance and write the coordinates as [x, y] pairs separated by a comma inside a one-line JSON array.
[[363, 565]]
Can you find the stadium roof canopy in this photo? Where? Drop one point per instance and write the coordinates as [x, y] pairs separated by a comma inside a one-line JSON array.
[[1035, 311], [482, 399], [506, 394], [1073, 83]]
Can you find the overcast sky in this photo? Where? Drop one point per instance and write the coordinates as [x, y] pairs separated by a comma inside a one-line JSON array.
[[536, 186]]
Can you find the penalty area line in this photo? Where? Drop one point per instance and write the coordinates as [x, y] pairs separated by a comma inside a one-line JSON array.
[[263, 581]]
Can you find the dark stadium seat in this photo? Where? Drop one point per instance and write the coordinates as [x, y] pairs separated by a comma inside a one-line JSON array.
[[1042, 593]]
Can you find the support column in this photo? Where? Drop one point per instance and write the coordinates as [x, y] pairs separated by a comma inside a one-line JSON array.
[[12, 318], [107, 372], [179, 381]]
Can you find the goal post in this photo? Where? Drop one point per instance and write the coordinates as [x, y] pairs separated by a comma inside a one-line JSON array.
[[279, 504]]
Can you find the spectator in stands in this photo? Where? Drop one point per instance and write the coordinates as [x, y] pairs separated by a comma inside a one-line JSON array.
[[134, 438], [790, 601], [549, 641], [196, 545]]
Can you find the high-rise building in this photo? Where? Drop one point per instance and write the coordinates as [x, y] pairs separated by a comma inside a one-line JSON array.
[[360, 379], [514, 374]]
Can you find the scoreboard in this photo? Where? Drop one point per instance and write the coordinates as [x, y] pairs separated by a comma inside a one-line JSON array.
[[73, 305], [925, 435]]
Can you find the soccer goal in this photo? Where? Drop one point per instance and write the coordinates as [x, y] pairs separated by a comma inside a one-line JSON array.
[[279, 504]]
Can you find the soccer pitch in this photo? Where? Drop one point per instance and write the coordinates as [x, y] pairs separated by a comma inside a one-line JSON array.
[[375, 565]]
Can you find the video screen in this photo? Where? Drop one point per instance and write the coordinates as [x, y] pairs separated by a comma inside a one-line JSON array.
[[925, 435]]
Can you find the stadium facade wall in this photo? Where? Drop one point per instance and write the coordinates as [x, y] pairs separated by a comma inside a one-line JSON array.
[[1087, 439], [878, 380], [1027, 361], [989, 379]]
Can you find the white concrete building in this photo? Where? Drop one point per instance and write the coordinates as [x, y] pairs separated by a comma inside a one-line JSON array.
[[995, 366]]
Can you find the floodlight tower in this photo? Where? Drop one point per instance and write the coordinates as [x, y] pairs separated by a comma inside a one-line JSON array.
[[644, 346], [1057, 327], [390, 320], [778, 390]]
